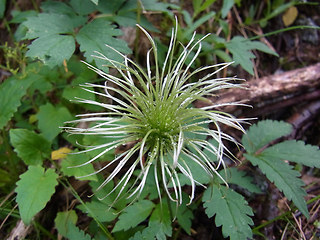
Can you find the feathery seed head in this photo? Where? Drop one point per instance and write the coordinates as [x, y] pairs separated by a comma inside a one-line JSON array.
[[153, 109]]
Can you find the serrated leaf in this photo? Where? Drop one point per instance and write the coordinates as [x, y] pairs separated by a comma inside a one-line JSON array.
[[52, 49], [264, 132], [184, 217], [67, 167], [74, 233], [46, 24], [295, 151], [284, 177], [83, 7], [32, 148], [231, 211], [241, 51], [238, 177], [61, 8], [50, 118], [62, 219], [34, 190], [101, 211], [133, 215], [93, 37], [159, 224], [11, 91], [161, 218]]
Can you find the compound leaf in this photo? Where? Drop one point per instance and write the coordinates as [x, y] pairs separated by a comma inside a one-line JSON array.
[[95, 35], [241, 51], [34, 190], [50, 118], [32, 148], [283, 176], [52, 49], [238, 177], [11, 91], [231, 211], [45, 24], [295, 151], [133, 215], [264, 132], [159, 224]]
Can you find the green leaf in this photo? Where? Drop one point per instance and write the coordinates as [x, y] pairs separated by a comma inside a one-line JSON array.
[[52, 49], [264, 132], [74, 233], [75, 91], [235, 176], [196, 24], [46, 24], [11, 91], [227, 5], [93, 37], [34, 190], [32, 148], [62, 219], [295, 151], [51, 118], [2, 8], [185, 215], [67, 167], [133, 215], [160, 221], [284, 177], [231, 212], [241, 51], [83, 7], [101, 211], [65, 224]]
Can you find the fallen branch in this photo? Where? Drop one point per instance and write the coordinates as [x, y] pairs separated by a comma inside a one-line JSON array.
[[276, 91]]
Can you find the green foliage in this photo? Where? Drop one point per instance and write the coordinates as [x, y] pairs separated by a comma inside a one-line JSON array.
[[159, 224], [35, 103], [133, 215], [270, 160], [72, 160], [34, 190], [231, 211], [240, 178], [65, 224], [102, 211], [32, 148], [284, 177], [51, 118], [264, 132], [11, 92], [63, 218], [241, 51]]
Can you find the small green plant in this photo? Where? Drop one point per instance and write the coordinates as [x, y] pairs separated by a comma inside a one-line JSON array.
[[141, 142]]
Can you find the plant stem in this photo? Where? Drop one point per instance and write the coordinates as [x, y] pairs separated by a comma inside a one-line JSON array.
[[76, 195], [287, 213], [283, 30]]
